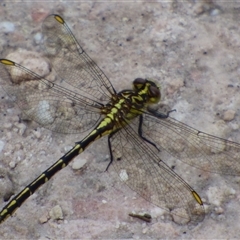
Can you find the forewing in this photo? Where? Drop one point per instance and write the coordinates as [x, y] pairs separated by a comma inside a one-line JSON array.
[[143, 171], [52, 106], [198, 149], [72, 63]]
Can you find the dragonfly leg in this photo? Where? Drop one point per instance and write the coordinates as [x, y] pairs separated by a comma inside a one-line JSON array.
[[110, 150], [159, 114], [140, 133]]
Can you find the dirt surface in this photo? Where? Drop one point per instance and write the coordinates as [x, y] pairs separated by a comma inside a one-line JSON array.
[[191, 48]]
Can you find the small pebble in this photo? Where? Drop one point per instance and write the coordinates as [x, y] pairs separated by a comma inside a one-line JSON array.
[[219, 210], [145, 230], [44, 218], [22, 127], [215, 12], [215, 196], [37, 134], [78, 163], [123, 175], [56, 213], [6, 27], [229, 115], [12, 164], [38, 37]]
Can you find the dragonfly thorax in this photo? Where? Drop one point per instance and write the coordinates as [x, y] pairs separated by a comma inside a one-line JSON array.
[[128, 104]]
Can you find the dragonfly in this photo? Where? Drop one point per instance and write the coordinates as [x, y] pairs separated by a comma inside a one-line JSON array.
[[82, 99]]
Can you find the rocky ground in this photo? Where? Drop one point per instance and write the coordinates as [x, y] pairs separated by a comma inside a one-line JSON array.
[[191, 48]]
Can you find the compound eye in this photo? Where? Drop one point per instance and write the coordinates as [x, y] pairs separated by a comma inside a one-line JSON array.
[[154, 92], [139, 82]]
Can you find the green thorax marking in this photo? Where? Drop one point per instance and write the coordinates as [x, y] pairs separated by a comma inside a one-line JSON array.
[[128, 104]]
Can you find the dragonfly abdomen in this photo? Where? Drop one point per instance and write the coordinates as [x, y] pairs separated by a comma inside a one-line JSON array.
[[101, 130]]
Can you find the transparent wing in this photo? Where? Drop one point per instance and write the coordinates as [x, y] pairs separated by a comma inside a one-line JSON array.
[[52, 106], [72, 63], [145, 173], [198, 149]]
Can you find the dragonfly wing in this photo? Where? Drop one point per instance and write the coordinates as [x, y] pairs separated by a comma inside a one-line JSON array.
[[144, 172], [198, 149], [72, 63], [52, 106]]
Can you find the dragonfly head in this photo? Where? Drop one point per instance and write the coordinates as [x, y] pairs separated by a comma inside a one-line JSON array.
[[148, 88]]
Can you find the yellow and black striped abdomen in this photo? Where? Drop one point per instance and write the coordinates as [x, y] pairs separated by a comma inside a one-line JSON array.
[[102, 129]]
